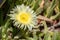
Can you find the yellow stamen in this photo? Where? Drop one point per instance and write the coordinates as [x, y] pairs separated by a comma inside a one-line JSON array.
[[24, 18]]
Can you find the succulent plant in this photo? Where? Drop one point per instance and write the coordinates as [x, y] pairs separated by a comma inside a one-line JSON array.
[[29, 19]]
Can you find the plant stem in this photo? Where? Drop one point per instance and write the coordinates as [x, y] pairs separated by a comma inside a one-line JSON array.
[[4, 30]]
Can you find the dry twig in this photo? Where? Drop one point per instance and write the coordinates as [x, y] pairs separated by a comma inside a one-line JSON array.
[[45, 19]]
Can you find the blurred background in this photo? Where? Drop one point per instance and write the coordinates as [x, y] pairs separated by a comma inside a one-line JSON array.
[[48, 17]]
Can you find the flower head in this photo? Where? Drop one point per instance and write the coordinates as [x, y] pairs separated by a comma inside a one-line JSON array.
[[23, 17]]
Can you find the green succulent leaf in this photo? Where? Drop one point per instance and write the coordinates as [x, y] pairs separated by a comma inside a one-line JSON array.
[[47, 36], [56, 36], [51, 8]]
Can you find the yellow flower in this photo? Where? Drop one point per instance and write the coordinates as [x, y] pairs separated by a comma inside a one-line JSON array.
[[23, 17]]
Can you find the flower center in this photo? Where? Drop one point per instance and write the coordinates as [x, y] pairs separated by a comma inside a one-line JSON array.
[[24, 18]]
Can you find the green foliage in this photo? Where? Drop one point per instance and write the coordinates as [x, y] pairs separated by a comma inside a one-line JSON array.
[[15, 33]]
